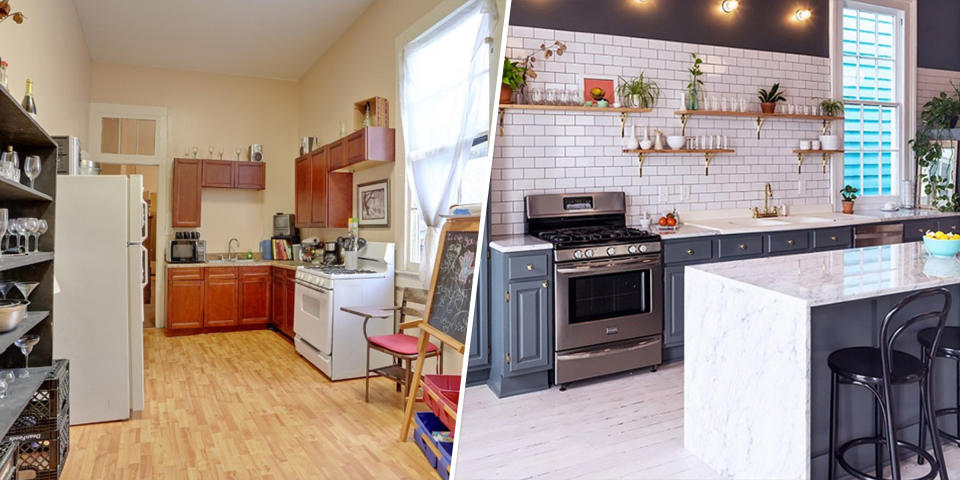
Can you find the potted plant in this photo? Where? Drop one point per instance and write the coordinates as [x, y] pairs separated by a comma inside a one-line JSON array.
[[695, 85], [941, 112], [849, 194], [638, 92], [832, 108], [769, 98], [514, 78]]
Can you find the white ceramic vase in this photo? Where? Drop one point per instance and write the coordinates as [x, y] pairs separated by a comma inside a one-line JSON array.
[[630, 141]]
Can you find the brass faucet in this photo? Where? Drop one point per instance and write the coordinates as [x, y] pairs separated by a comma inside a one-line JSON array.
[[767, 210]]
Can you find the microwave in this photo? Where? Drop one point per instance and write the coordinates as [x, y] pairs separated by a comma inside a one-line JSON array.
[[187, 251], [284, 225]]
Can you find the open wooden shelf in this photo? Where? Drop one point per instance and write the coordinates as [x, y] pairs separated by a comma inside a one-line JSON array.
[[9, 262], [824, 153], [759, 116], [18, 128], [31, 320], [707, 153], [623, 111], [12, 190]]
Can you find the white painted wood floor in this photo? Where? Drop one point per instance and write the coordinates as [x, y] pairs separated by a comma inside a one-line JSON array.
[[622, 427]]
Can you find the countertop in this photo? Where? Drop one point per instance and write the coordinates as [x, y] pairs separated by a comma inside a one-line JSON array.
[[823, 278], [519, 243], [288, 264]]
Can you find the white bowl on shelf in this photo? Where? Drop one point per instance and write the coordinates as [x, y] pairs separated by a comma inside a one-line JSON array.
[[675, 142]]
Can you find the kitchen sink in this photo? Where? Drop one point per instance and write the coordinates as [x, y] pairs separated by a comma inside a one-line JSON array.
[[758, 222], [224, 261]]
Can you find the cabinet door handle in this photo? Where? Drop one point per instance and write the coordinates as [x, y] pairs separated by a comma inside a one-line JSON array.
[[529, 266], [690, 251], [545, 284], [508, 359], [920, 230], [833, 238], [790, 242], [743, 246]]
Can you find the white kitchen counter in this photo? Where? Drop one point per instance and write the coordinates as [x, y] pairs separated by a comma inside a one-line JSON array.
[[755, 338], [519, 243]]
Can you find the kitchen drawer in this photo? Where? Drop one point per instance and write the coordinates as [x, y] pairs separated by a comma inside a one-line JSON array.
[[739, 246], [831, 238], [686, 251], [914, 229], [950, 224], [787, 242], [527, 266], [221, 272], [186, 273], [257, 271]]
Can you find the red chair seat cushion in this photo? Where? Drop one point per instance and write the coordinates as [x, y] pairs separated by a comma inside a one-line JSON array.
[[400, 343]]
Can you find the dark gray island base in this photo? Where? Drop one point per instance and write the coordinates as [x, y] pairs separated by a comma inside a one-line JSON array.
[[758, 334]]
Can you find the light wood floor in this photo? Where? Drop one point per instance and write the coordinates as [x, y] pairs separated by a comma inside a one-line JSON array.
[[624, 427], [245, 406]]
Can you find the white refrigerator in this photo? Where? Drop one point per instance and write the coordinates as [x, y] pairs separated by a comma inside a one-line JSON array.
[[101, 270]]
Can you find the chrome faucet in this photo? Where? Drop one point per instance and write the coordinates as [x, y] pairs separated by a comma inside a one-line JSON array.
[[767, 210], [230, 243]]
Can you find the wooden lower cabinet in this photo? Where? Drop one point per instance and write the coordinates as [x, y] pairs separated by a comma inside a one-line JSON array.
[[184, 298], [254, 295], [282, 303], [220, 300]]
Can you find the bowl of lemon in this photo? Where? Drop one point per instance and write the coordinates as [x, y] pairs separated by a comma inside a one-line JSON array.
[[941, 244]]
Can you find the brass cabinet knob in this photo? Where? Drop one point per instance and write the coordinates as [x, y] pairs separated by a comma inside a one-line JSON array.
[[833, 238], [690, 251], [920, 230], [529, 266], [545, 284], [743, 246], [790, 242]]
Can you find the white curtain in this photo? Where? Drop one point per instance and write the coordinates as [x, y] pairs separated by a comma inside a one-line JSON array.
[[444, 106]]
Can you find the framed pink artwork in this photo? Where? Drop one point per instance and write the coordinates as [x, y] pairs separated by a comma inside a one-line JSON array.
[[606, 83]]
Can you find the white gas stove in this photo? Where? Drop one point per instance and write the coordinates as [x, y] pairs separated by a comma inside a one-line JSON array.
[[329, 338]]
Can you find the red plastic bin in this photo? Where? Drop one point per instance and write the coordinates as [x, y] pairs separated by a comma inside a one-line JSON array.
[[442, 394]]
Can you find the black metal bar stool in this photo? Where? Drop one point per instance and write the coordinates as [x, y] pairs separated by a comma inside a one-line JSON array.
[[949, 347], [877, 370]]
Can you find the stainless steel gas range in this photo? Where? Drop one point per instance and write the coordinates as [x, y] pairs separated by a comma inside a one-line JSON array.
[[608, 285]]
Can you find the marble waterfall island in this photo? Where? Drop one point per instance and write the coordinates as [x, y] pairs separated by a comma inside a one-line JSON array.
[[757, 336]]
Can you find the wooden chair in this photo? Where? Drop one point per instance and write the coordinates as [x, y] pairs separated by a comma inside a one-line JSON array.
[[400, 346]]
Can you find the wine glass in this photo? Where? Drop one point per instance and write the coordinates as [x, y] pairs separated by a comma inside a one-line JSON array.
[[5, 287], [22, 229], [26, 344], [33, 225], [14, 233], [6, 164], [4, 219], [42, 228], [220, 153], [31, 167], [26, 288], [210, 149], [3, 388], [238, 152], [8, 375], [195, 150]]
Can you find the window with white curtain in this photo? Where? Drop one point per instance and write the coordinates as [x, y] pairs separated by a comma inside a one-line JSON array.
[[872, 46], [446, 108]]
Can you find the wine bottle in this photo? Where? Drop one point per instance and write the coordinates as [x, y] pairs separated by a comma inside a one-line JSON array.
[[28, 103]]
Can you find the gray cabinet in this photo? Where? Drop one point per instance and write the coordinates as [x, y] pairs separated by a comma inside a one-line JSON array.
[[673, 306], [914, 230], [832, 238], [521, 322], [478, 355]]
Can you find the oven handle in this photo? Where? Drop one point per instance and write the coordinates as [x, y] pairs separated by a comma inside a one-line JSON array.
[[607, 351], [612, 266], [314, 287]]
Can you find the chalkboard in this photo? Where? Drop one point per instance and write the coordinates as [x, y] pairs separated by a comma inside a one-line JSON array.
[[452, 284]]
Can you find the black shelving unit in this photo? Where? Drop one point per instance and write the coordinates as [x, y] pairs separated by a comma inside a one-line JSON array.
[[27, 137]]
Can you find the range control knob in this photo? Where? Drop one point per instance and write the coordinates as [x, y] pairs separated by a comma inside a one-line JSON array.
[[631, 249], [588, 253], [611, 251], [578, 254], [642, 248]]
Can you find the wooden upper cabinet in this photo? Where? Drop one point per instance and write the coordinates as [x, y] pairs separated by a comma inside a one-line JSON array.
[[318, 194], [369, 147], [220, 298], [219, 173], [186, 192], [339, 199], [303, 189], [184, 298], [251, 175], [337, 154], [254, 295]]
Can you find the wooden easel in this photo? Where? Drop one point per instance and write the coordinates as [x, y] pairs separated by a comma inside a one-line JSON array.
[[427, 329]]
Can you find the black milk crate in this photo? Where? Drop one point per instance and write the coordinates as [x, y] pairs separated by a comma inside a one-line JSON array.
[[49, 403], [8, 460], [42, 455]]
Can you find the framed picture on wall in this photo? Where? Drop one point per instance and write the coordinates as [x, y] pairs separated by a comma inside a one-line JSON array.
[[373, 204], [607, 83]]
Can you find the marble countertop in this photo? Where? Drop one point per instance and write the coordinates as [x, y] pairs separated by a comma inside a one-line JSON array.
[[823, 278], [519, 243]]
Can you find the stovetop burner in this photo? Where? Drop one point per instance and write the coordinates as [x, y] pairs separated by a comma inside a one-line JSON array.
[[339, 270], [600, 235]]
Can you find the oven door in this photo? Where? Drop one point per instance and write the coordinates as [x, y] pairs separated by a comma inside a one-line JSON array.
[[604, 301], [313, 316]]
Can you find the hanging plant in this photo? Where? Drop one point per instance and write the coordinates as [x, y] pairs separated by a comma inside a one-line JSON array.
[[5, 8], [938, 114]]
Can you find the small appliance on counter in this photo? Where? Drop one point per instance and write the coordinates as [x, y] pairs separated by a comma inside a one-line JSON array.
[[68, 155], [284, 225], [186, 247], [330, 254]]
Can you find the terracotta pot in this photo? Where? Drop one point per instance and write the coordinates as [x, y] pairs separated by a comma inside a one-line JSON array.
[[768, 107], [847, 207], [506, 94]]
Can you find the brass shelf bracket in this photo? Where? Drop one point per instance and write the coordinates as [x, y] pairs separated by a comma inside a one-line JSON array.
[[640, 162], [500, 120], [800, 163], [826, 126], [707, 157], [623, 124], [683, 124], [826, 159], [760, 121]]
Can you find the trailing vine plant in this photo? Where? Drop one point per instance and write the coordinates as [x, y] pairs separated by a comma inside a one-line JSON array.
[[938, 114]]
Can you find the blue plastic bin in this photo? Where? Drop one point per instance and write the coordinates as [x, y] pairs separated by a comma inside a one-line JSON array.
[[427, 423], [443, 464]]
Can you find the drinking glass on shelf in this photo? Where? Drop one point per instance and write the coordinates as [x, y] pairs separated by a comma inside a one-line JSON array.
[[42, 228], [5, 287], [4, 219], [238, 152], [26, 344], [31, 167], [220, 153], [32, 226], [573, 96], [551, 97], [8, 375], [210, 149], [535, 96], [195, 150], [22, 229], [26, 288], [6, 163], [3, 388]]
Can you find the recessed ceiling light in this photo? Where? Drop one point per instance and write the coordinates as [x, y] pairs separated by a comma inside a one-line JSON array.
[[802, 14], [729, 6]]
